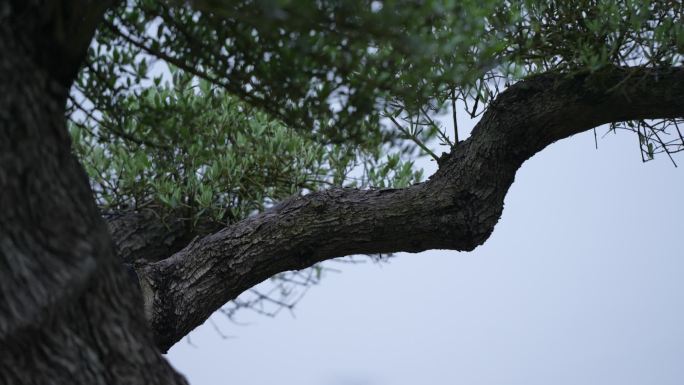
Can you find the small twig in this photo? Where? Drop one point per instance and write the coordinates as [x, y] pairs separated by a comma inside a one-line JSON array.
[[218, 330], [678, 132], [641, 147], [441, 135], [453, 114], [414, 138], [664, 146]]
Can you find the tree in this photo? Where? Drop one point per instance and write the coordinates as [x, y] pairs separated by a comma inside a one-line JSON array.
[[332, 73]]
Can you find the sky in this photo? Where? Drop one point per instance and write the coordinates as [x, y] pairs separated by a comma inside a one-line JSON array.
[[580, 283]]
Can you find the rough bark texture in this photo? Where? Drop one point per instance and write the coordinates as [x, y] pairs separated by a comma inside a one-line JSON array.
[[142, 234], [457, 208], [68, 315]]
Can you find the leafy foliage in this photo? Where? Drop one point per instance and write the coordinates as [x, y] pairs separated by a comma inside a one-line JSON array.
[[322, 66], [187, 145]]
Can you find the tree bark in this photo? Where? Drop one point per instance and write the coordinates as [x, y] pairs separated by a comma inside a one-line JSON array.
[[457, 208], [68, 315]]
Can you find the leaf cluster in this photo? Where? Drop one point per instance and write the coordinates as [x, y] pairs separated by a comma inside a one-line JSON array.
[[186, 145]]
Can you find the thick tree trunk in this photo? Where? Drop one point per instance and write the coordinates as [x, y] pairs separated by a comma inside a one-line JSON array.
[[68, 314]]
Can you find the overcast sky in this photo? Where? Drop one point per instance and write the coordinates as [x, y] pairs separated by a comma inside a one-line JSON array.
[[582, 282]]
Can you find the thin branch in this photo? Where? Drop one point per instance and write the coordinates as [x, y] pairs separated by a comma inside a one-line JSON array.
[[441, 134], [453, 114], [664, 147], [414, 138]]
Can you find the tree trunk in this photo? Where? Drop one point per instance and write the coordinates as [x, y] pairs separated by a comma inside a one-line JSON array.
[[68, 314]]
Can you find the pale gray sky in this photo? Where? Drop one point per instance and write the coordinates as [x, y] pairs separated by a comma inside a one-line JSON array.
[[581, 283]]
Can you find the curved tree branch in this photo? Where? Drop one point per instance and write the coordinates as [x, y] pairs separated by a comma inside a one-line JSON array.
[[457, 208]]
